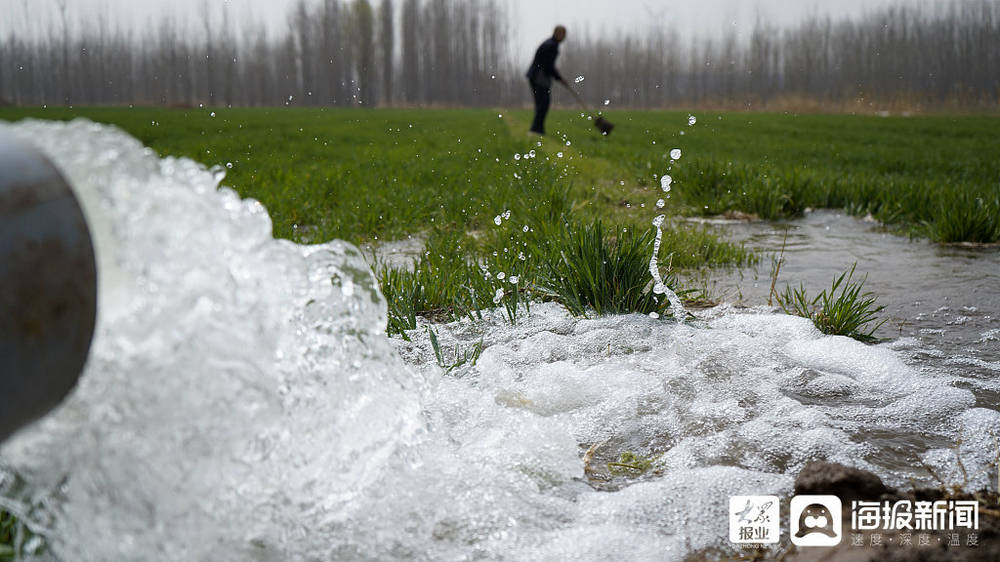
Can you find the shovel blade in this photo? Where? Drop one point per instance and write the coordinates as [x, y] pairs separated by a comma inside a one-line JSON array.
[[604, 125]]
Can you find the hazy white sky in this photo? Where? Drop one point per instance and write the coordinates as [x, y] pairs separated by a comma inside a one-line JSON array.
[[533, 19]]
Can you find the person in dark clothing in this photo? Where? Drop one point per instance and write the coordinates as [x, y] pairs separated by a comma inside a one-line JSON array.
[[540, 75]]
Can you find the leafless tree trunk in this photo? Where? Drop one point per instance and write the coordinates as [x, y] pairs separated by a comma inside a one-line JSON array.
[[387, 35]]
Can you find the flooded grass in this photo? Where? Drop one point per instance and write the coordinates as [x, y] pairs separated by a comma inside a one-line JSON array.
[[452, 279], [605, 270], [7, 528], [850, 313], [966, 217], [901, 170]]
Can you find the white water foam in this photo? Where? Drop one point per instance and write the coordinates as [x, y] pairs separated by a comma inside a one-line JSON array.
[[243, 403], [240, 390]]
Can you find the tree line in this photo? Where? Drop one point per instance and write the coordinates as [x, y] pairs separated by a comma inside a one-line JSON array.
[[919, 55], [440, 52]]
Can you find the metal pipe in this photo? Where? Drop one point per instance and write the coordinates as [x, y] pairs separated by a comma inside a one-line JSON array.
[[48, 286]]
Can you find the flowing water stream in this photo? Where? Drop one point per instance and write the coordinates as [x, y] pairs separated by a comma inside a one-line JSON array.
[[243, 403], [946, 299]]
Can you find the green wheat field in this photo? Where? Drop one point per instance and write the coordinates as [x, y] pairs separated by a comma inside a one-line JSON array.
[[574, 208]]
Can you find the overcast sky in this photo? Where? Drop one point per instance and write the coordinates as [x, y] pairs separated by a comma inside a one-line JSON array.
[[533, 19]]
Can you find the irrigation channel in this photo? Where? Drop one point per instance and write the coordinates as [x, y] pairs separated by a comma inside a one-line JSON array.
[[242, 401]]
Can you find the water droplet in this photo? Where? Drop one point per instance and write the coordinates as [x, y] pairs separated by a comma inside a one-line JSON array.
[[568, 143], [665, 182], [497, 220], [660, 203], [654, 315], [692, 119], [513, 279], [525, 229], [229, 165], [531, 154], [659, 289], [658, 221], [501, 276], [498, 296], [578, 79], [517, 156], [559, 154], [675, 154], [607, 102], [212, 114]]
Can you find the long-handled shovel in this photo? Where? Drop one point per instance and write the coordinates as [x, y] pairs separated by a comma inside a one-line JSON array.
[[600, 122]]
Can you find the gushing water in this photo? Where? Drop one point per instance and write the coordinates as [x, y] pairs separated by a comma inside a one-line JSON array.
[[239, 390]]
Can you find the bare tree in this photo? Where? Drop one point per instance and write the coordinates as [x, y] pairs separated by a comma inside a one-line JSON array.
[[364, 29], [387, 35], [456, 53]]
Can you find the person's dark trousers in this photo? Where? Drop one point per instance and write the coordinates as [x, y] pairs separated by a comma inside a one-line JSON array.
[[543, 97]]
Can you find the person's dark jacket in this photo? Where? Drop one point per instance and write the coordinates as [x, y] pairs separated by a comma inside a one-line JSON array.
[[543, 68]]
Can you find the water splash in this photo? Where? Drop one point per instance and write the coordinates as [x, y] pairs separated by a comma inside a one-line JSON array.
[[659, 287], [227, 371]]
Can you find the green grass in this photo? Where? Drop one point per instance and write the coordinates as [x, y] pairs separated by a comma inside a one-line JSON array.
[[631, 464], [461, 357], [578, 262], [8, 528], [605, 270], [445, 175], [901, 170], [361, 174], [850, 313]]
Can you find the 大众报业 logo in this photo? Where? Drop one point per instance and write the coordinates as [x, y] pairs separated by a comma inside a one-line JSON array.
[[815, 520], [753, 519]]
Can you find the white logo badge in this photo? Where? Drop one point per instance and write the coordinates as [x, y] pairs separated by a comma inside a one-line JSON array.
[[815, 520], [753, 519]]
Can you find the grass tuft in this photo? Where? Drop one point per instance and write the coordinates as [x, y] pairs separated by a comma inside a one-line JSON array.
[[452, 279], [8, 532], [850, 313], [8, 536], [966, 217], [590, 268], [461, 358], [630, 464]]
